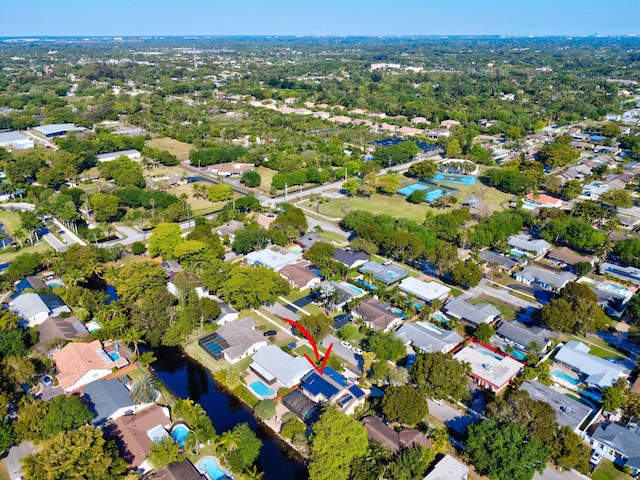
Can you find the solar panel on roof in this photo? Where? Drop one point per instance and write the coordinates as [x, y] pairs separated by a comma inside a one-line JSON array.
[[356, 391], [316, 385], [335, 376]]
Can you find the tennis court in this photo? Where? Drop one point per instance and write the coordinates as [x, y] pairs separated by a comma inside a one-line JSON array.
[[431, 191], [454, 178]]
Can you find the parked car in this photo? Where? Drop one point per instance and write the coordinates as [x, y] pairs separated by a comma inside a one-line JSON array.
[[596, 457], [387, 262], [357, 351], [346, 344], [438, 401], [270, 333], [46, 380]]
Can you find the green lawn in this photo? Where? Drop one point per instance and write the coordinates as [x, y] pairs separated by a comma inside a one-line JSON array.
[[10, 255], [599, 347], [175, 147], [10, 220], [607, 471], [507, 310]]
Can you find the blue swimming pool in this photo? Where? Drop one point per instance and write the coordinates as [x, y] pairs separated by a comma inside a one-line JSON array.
[[398, 312], [261, 389], [354, 289], [516, 253], [486, 351], [366, 285], [179, 434], [438, 317], [519, 354], [565, 377], [210, 466]]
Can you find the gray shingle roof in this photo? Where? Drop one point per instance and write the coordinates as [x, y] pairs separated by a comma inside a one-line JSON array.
[[621, 440], [568, 411], [554, 279], [523, 335], [527, 244], [597, 370], [427, 337], [476, 314], [105, 397]]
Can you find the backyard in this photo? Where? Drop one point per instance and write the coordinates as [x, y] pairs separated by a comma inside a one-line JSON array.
[[175, 147]]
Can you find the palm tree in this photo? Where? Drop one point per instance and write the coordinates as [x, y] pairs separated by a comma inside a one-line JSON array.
[[133, 335], [144, 389], [605, 250], [201, 433], [50, 258], [253, 474], [192, 413], [145, 359], [164, 452], [229, 442], [74, 277]]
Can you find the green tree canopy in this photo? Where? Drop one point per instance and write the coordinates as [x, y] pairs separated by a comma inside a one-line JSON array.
[[576, 310], [386, 346], [404, 404], [439, 375], [164, 239]]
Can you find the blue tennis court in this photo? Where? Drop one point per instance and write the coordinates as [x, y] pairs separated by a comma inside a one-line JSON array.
[[409, 189], [432, 191], [454, 178]]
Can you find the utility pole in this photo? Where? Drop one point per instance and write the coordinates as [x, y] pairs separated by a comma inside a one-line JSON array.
[[286, 191]]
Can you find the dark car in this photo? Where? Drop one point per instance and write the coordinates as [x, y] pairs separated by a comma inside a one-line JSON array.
[[270, 333], [46, 380]]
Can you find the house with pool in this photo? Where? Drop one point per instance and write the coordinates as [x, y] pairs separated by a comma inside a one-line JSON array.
[[234, 341], [387, 274], [575, 365], [378, 315], [428, 338], [333, 387], [474, 314], [520, 336], [524, 244], [277, 369], [547, 279], [490, 368]]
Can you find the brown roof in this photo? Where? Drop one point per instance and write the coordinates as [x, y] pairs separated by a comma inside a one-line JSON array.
[[377, 431], [568, 256], [76, 359], [61, 328], [131, 433], [297, 274], [377, 313], [183, 470]]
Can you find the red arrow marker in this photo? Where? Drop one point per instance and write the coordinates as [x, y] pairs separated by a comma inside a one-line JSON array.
[[308, 336]]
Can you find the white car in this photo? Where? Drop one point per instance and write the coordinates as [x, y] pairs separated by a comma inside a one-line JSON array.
[[387, 262], [346, 345], [438, 401], [596, 457], [357, 351]]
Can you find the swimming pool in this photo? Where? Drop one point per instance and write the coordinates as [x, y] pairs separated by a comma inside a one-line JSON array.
[[440, 318], [516, 253], [519, 354], [398, 312], [354, 289], [433, 328], [454, 178], [486, 351], [566, 377], [261, 389], [366, 284], [179, 434], [210, 466]]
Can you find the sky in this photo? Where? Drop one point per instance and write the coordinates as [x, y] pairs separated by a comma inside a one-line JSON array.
[[318, 17]]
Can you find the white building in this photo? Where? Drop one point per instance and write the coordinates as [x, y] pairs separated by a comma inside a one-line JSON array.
[[428, 291]]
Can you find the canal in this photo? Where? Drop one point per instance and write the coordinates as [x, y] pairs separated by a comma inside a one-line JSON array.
[[186, 378]]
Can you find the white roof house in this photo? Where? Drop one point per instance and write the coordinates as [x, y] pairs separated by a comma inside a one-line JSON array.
[[448, 468], [491, 369], [424, 291], [545, 278], [35, 308], [107, 157], [427, 337], [524, 243], [58, 129], [16, 140], [475, 314], [274, 365], [592, 370], [270, 259]]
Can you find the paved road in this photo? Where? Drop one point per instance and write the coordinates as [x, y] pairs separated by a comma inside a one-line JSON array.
[[501, 294], [342, 352], [552, 474], [452, 417]]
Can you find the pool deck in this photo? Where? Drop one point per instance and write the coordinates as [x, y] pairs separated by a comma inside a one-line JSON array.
[[252, 377], [217, 460]]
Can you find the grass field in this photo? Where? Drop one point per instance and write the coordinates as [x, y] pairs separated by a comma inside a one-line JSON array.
[[175, 147], [10, 220], [198, 206], [9, 256], [599, 347], [607, 471]]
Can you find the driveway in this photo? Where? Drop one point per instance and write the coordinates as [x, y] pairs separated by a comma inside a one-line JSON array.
[[552, 474], [343, 352], [451, 417], [47, 393]]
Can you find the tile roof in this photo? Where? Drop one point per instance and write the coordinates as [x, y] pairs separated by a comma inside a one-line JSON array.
[[76, 359]]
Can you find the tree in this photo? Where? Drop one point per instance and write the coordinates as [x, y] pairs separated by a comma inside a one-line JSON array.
[[582, 268], [164, 239], [568, 451], [386, 346], [503, 451], [251, 179], [77, 454], [576, 310], [105, 206], [249, 446], [265, 409], [144, 389], [617, 198], [220, 193], [351, 186], [454, 150], [439, 375], [466, 274], [633, 307], [65, 414], [138, 248], [387, 183], [164, 452], [484, 332], [404, 404], [30, 424], [558, 154], [417, 197], [133, 336], [424, 170], [250, 287], [613, 398], [138, 279], [7, 435], [330, 434], [571, 189], [317, 325], [628, 250], [611, 130], [250, 238]]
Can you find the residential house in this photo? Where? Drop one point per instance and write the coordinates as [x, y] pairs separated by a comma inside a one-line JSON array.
[[449, 123], [565, 257], [395, 442], [278, 368], [307, 240], [270, 259], [78, 364], [542, 200], [521, 336], [227, 313], [109, 400], [234, 341], [448, 468], [135, 435], [345, 292], [628, 274], [592, 370], [508, 264], [29, 283], [230, 229], [547, 279], [34, 308], [333, 387], [426, 291], [569, 412], [436, 133], [301, 405], [184, 470], [171, 266], [472, 313], [618, 444], [299, 276], [490, 368], [386, 274], [56, 328], [350, 259], [231, 169], [428, 338], [377, 315], [525, 244]]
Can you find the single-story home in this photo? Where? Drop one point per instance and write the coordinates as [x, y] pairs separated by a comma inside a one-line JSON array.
[[31, 282], [508, 264], [491, 368], [625, 273], [184, 470], [474, 314], [522, 336], [135, 434], [448, 468], [427, 337], [333, 387], [56, 328], [386, 274], [525, 244], [273, 366], [230, 229], [543, 200], [564, 256], [35, 308], [299, 275], [376, 314], [171, 266], [109, 400], [569, 412], [234, 341], [308, 240], [108, 157], [618, 444], [592, 370], [58, 129], [270, 259], [426, 291], [350, 259], [395, 442], [547, 279], [78, 364]]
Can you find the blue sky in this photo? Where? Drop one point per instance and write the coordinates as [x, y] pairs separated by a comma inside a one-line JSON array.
[[319, 17]]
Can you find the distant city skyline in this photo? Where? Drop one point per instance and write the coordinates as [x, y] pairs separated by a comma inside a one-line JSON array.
[[329, 17]]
